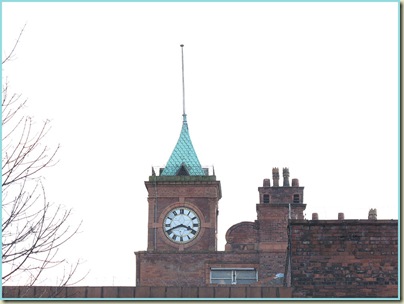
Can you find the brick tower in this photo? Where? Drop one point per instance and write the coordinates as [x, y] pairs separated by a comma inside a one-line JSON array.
[[182, 225], [277, 204], [183, 202]]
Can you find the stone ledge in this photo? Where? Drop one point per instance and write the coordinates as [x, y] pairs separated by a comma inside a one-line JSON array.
[[342, 222], [174, 179]]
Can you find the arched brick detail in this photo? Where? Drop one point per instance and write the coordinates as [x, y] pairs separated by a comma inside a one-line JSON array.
[[242, 236]]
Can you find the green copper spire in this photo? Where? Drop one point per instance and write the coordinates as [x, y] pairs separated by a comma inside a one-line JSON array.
[[183, 160]]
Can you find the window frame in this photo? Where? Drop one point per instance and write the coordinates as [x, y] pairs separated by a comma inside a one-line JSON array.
[[234, 277]]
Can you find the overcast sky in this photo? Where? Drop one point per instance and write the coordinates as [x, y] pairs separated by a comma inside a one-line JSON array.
[[309, 86]]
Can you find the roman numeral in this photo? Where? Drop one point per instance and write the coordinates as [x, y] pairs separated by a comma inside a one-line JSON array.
[[167, 225], [193, 218], [196, 225], [175, 212], [174, 237], [181, 211], [181, 239]]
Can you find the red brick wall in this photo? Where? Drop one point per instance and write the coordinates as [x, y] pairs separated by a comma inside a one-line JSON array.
[[352, 258], [200, 195], [193, 268], [273, 222], [280, 194], [187, 268]]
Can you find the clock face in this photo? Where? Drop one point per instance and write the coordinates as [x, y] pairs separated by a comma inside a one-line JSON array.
[[181, 225]]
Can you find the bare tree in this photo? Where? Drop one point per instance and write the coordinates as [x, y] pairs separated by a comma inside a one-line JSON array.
[[32, 228]]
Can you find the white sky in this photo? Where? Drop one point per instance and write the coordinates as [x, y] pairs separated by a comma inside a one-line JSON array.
[[309, 86]]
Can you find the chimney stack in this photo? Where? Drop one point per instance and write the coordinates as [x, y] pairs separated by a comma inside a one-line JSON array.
[[275, 176], [286, 177]]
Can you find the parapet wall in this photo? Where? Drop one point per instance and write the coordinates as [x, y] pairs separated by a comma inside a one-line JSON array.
[[10, 292], [346, 258]]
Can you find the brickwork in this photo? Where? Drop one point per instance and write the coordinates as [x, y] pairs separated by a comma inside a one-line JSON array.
[[355, 258], [242, 236], [279, 195], [193, 268], [10, 292], [261, 245], [350, 258], [273, 222], [201, 194], [271, 264], [276, 205], [187, 268]]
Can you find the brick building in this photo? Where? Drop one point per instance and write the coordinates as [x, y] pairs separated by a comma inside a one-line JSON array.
[[280, 248], [279, 255], [182, 228]]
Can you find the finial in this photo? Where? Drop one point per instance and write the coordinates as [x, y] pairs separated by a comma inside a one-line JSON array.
[[183, 85]]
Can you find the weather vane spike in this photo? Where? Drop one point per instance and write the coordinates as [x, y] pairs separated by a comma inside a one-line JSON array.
[[183, 85]]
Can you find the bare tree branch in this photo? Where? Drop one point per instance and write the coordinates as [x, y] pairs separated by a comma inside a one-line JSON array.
[[11, 54], [33, 229]]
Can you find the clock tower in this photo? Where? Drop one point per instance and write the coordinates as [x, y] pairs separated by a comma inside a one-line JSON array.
[[183, 199], [183, 207], [183, 202]]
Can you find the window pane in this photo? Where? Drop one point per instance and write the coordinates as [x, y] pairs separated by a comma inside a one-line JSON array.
[[233, 276], [221, 274], [246, 281], [221, 281], [245, 274]]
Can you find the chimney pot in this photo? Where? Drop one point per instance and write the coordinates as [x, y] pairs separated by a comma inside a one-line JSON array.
[[267, 182], [295, 182], [275, 176], [286, 177], [372, 214]]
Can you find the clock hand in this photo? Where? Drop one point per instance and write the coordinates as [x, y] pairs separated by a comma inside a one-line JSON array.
[[169, 230], [180, 225], [189, 228]]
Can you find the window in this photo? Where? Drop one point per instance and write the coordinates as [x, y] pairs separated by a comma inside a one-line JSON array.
[[233, 275], [266, 198], [296, 198], [182, 171]]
